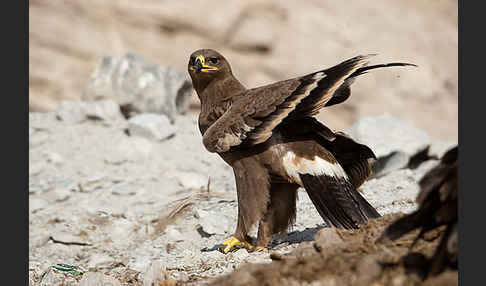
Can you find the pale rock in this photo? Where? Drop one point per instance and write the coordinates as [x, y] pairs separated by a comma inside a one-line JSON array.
[[173, 234], [131, 149], [106, 110], [140, 86], [189, 179], [54, 158], [124, 189], [392, 140], [35, 168], [98, 279], [68, 238], [58, 195], [71, 111], [96, 182], [76, 111], [121, 232], [239, 255], [37, 138], [212, 223], [39, 240], [151, 126], [156, 274], [215, 255], [327, 237], [100, 260], [37, 204], [180, 276]]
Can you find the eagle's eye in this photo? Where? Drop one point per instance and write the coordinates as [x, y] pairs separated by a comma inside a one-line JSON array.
[[213, 60], [191, 60]]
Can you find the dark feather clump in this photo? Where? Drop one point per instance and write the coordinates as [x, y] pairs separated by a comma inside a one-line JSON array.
[[437, 207]]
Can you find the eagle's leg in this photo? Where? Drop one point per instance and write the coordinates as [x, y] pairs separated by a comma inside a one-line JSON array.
[[280, 213], [252, 188]]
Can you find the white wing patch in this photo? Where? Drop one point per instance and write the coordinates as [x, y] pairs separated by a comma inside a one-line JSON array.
[[317, 166]]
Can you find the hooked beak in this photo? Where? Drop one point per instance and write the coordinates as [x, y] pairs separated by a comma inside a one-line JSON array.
[[200, 66]]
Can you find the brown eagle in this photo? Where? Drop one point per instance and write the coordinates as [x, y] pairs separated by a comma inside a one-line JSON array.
[[268, 135]]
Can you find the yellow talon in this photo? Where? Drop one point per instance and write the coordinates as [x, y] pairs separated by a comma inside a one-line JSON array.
[[234, 243]]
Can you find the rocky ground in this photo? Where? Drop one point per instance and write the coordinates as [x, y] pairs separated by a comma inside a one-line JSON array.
[[139, 201]]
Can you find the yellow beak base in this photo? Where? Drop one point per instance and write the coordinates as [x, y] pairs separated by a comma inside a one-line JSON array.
[[203, 66]]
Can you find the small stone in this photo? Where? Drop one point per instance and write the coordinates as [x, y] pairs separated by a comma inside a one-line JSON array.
[[38, 138], [212, 223], [131, 149], [98, 279], [151, 126], [124, 189], [54, 158], [37, 204], [215, 255], [189, 180], [180, 276], [39, 240], [100, 260], [68, 238], [98, 181], [240, 255], [58, 195], [42, 121], [327, 237], [156, 274], [172, 233], [121, 232], [106, 110], [76, 111], [35, 168], [71, 111]]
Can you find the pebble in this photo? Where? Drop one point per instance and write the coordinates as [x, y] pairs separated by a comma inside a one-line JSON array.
[[124, 189], [212, 223], [189, 180], [68, 238], [37, 204], [100, 260]]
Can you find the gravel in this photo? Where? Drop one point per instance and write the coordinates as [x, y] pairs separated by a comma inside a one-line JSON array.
[[121, 204]]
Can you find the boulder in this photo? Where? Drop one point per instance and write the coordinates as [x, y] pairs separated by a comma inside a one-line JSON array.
[[139, 86], [393, 141]]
